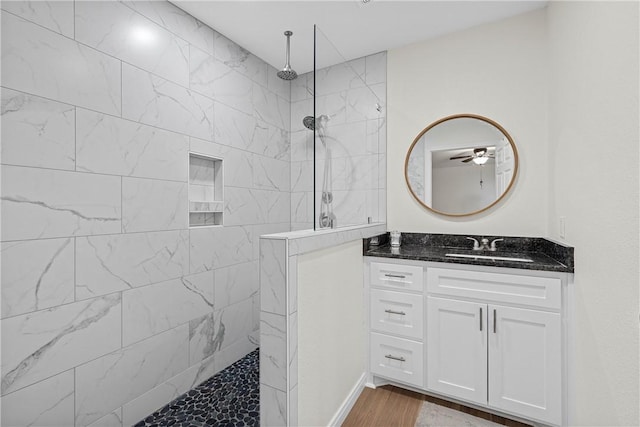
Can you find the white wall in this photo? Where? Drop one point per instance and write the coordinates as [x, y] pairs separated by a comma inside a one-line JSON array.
[[497, 70], [331, 352], [593, 167]]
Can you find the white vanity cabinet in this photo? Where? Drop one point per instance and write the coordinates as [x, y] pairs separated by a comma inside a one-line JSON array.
[[492, 337]]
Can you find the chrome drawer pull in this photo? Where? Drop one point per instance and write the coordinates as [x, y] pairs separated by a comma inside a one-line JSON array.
[[401, 359], [396, 276], [494, 320], [481, 318], [401, 313]]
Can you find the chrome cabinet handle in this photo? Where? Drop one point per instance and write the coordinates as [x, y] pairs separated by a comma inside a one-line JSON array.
[[397, 276], [494, 320], [481, 318], [401, 313], [401, 359]]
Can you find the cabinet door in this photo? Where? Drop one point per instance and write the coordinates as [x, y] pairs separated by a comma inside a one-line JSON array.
[[525, 362], [457, 349]]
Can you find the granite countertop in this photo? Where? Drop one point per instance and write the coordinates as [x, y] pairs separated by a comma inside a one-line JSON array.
[[545, 254]]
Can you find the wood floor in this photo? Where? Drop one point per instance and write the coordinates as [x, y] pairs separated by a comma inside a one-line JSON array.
[[390, 406]]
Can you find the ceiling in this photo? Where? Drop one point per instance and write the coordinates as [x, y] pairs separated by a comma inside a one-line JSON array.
[[355, 27]]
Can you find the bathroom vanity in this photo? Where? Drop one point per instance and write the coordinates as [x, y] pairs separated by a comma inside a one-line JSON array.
[[485, 328]]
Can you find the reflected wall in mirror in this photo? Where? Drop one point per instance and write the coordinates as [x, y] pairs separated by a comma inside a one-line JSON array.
[[461, 165]]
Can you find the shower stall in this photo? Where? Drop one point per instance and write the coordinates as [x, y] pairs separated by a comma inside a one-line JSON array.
[[338, 140]]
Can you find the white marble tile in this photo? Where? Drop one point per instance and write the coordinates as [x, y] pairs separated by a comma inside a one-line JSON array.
[[299, 110], [156, 308], [152, 100], [311, 240], [219, 247], [376, 68], [214, 79], [156, 398], [350, 207], [117, 30], [302, 87], [270, 108], [270, 141], [36, 274], [108, 382], [382, 171], [149, 205], [334, 106], [38, 345], [204, 338], [376, 136], [362, 102], [293, 284], [340, 77], [110, 145], [37, 132], [239, 59], [235, 128], [241, 207], [236, 322], [292, 332], [293, 406], [41, 62], [237, 164], [266, 229], [273, 350], [275, 84], [354, 173], [271, 174], [274, 206], [301, 145], [302, 207], [236, 283], [345, 140], [302, 176], [177, 21], [41, 203], [55, 15], [106, 264], [114, 419], [273, 407], [273, 260], [234, 352], [47, 403]]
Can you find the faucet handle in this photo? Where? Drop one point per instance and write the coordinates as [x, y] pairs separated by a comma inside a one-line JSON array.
[[493, 244], [476, 244]]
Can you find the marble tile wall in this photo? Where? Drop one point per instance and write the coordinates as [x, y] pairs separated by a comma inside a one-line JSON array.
[[355, 135], [110, 305]]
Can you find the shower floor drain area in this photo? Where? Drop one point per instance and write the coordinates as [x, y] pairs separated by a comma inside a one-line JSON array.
[[229, 398]]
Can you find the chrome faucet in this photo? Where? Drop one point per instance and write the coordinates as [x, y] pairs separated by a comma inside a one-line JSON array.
[[476, 245], [493, 245], [484, 244]]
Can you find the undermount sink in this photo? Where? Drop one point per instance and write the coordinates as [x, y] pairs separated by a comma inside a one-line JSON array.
[[490, 257]]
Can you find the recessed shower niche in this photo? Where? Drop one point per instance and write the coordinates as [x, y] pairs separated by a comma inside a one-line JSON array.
[[206, 203]]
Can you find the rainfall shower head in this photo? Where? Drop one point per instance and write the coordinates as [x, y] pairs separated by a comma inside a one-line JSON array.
[[287, 72]]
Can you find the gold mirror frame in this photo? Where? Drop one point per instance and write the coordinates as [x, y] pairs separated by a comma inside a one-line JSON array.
[[461, 116]]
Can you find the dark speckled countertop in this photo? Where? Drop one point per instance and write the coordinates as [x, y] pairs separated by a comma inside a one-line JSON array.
[[545, 254]]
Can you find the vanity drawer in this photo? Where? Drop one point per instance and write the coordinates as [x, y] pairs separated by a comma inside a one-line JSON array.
[[397, 313], [397, 276], [544, 292], [397, 359]]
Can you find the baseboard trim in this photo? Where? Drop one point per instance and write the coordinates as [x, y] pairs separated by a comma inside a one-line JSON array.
[[348, 403]]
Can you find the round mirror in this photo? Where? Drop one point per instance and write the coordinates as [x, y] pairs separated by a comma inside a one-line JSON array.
[[461, 165]]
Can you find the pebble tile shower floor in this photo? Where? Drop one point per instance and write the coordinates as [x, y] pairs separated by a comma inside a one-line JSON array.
[[230, 399]]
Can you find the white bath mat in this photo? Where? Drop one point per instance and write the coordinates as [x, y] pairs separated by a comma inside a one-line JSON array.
[[432, 415]]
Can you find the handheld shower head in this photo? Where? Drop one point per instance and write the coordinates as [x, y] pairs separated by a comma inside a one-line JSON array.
[[310, 122]]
